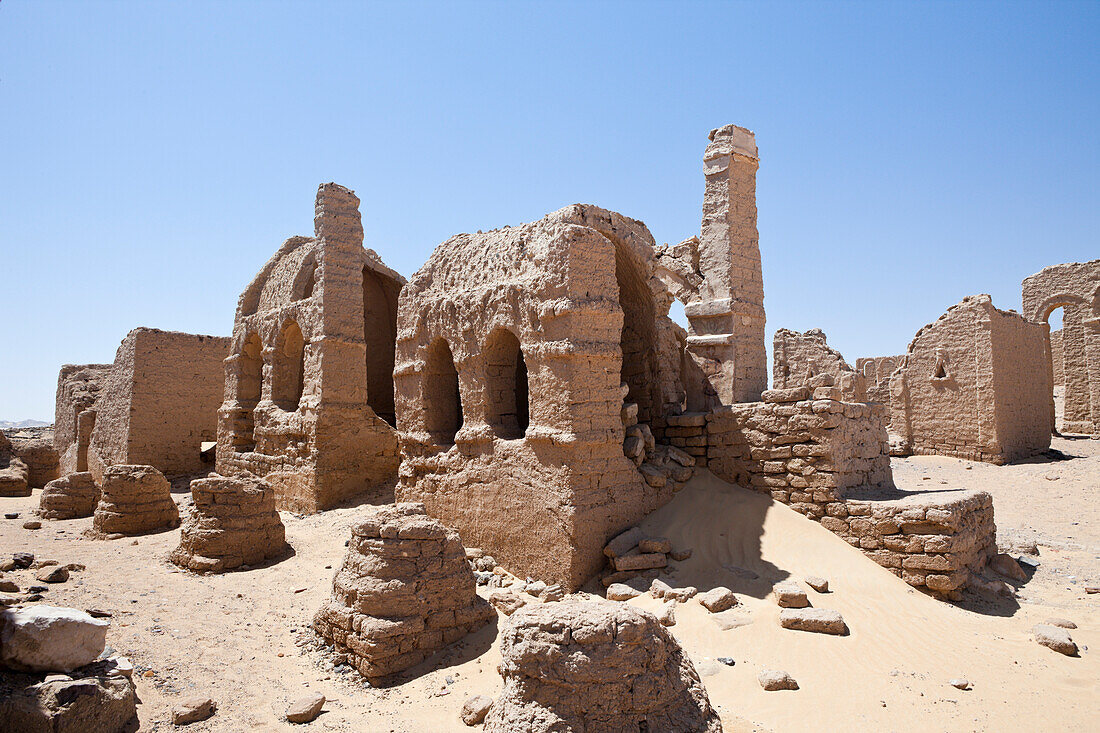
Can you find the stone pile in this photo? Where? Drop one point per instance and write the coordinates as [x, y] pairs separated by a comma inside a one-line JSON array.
[[13, 471], [595, 665], [232, 522], [134, 500], [633, 553], [404, 592], [69, 497]]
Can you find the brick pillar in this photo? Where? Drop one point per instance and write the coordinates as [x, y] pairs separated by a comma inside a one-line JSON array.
[[726, 319]]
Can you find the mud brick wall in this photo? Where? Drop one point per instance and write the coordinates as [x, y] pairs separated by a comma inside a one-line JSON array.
[[933, 543], [804, 452], [688, 432], [828, 460]]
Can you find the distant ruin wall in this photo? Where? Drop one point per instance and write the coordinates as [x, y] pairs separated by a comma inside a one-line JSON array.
[[78, 387], [1075, 288], [160, 401], [1057, 358], [975, 384], [798, 357], [876, 371]]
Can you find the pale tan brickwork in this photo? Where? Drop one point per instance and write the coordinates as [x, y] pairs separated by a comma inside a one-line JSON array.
[[1057, 357], [403, 593], [78, 387], [70, 497], [799, 357], [308, 400], [159, 402], [718, 275], [876, 371], [133, 500], [231, 522], [536, 367], [975, 384], [1074, 287]]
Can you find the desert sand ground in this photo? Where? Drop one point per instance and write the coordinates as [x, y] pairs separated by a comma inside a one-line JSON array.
[[244, 638]]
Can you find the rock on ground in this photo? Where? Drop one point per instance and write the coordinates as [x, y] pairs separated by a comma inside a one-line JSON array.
[[667, 614], [192, 710], [818, 583], [305, 708], [789, 595], [772, 680], [475, 709], [621, 592], [595, 666], [1056, 638], [50, 639], [818, 620], [718, 599], [99, 704]]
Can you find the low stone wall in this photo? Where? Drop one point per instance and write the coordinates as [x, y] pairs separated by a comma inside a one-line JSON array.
[[829, 460], [930, 542]]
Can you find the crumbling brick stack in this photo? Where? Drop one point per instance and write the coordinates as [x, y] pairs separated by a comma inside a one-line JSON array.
[[828, 460], [930, 542], [596, 666], [70, 497], [798, 358], [233, 522], [403, 592], [41, 459], [13, 471], [134, 500], [803, 447]]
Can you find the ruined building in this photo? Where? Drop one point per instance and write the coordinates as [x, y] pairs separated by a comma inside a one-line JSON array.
[[876, 371], [537, 369], [153, 406], [309, 400], [975, 384], [159, 402], [1074, 287]]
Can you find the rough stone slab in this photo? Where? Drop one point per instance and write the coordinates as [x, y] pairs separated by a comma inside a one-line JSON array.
[[816, 620]]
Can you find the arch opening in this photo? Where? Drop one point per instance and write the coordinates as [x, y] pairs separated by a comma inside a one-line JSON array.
[[250, 374], [380, 338], [288, 369], [639, 335], [442, 401], [508, 409]]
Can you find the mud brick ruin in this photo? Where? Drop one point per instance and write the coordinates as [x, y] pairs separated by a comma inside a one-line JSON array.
[[78, 387], [596, 666], [523, 357], [799, 357], [975, 384], [309, 402], [1074, 287], [134, 500], [876, 371], [403, 593], [13, 471], [69, 497], [159, 402], [231, 522]]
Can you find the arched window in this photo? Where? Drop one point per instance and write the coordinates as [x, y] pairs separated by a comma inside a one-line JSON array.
[[506, 383], [442, 402], [380, 337], [250, 373], [288, 377], [639, 336]]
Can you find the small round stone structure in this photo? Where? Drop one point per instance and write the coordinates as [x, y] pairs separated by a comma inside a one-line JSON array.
[[232, 522], [134, 500], [595, 665], [69, 497], [404, 591]]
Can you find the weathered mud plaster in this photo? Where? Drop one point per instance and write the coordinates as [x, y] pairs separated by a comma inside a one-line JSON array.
[[308, 383], [1074, 287]]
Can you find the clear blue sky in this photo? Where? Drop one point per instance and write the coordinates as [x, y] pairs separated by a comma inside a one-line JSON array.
[[154, 155]]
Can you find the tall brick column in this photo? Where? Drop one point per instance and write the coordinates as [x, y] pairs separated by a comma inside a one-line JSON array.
[[727, 318]]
